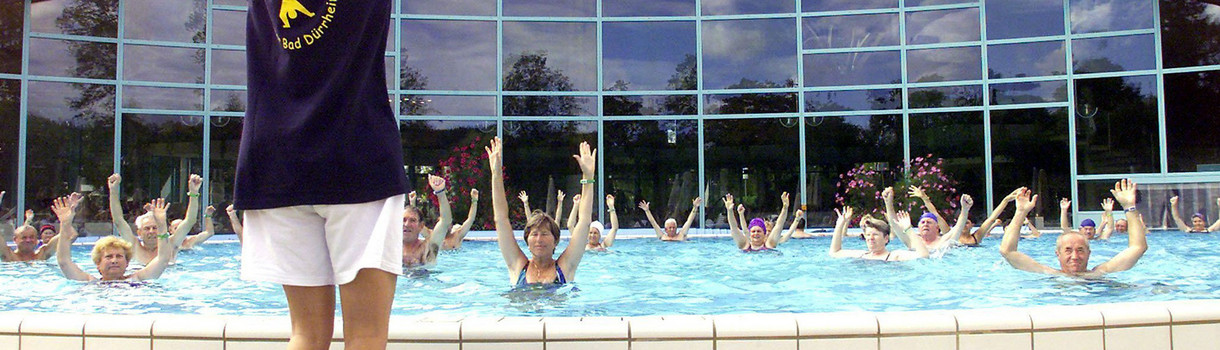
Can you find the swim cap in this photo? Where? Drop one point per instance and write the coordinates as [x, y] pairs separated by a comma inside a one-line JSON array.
[[1200, 216], [928, 215], [757, 222], [46, 227], [595, 225], [1088, 223]]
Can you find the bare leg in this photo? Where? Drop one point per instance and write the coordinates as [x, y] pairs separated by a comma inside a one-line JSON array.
[[366, 303], [313, 316]]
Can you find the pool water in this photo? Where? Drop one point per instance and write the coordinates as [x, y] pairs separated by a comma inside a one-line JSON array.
[[648, 277]]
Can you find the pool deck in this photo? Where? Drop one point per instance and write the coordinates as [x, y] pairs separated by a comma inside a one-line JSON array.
[[1176, 325]]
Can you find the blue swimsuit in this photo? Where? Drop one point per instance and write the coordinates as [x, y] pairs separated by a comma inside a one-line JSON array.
[[559, 279]]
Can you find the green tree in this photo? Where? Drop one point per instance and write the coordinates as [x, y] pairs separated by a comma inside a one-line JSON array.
[[685, 77], [531, 73]]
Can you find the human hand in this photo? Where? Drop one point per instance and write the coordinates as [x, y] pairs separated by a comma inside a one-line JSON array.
[[230, 210], [1013, 196], [474, 195], [798, 215], [64, 209], [844, 215], [888, 194], [697, 202], [741, 209], [209, 210], [728, 201], [609, 201], [783, 198], [411, 198], [967, 202], [194, 183], [644, 205], [1107, 204], [587, 160], [113, 181], [525, 198], [559, 196], [915, 191], [575, 199], [1173, 201], [29, 216], [1124, 193], [903, 220], [159, 207], [437, 183], [1065, 203], [495, 154], [74, 199], [1025, 202]]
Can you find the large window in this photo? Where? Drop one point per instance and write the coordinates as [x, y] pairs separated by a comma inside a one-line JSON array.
[[12, 15], [754, 159], [835, 145], [538, 160], [654, 161], [10, 118], [1116, 126], [1190, 33], [958, 139], [452, 149], [1029, 148], [1190, 126]]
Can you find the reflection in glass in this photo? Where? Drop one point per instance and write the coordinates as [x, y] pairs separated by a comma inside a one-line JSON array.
[[754, 159], [912, 3], [746, 7], [167, 64], [958, 139], [544, 56], [225, 135], [228, 67], [648, 56], [1190, 126], [1090, 16], [551, 8], [454, 149], [942, 26], [524, 106], [1022, 19], [633, 8], [1113, 54], [616, 105], [852, 68], [1116, 125], [832, 32], [783, 102], [844, 5], [835, 145], [1181, 25], [947, 64], [945, 96], [538, 160], [12, 16], [88, 18], [447, 105], [182, 21], [77, 59], [737, 53], [230, 2], [853, 100], [448, 55], [450, 7], [1029, 92], [1026, 60], [10, 122], [228, 100], [70, 148], [1029, 147], [229, 27], [644, 163], [159, 152], [162, 98]]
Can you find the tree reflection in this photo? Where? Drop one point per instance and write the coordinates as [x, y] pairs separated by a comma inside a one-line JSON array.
[[1190, 33], [97, 18], [685, 77], [11, 15], [531, 73], [760, 103]]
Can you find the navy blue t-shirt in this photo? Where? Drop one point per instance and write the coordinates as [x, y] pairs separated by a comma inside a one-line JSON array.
[[319, 128]]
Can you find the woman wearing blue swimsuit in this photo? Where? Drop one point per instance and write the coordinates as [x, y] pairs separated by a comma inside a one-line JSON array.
[[759, 239], [541, 231]]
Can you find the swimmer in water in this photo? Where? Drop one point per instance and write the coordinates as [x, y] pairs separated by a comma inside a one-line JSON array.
[[110, 254], [671, 233], [876, 237]]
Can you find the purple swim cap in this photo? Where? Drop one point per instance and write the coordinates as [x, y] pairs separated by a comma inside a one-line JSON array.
[[928, 215], [1088, 223], [1200, 216], [757, 222]]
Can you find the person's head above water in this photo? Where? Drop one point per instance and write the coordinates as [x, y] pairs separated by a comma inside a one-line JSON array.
[[1198, 222], [876, 233], [1088, 228], [595, 232], [541, 234], [111, 255], [758, 230], [928, 226], [1073, 252]]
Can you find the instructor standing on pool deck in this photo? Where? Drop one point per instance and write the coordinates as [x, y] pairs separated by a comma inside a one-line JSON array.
[[319, 172]]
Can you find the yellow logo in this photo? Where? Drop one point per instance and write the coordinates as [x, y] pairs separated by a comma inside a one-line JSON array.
[[289, 9]]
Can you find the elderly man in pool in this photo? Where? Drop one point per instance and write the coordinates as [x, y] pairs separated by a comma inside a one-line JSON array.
[[111, 254], [418, 252], [26, 238], [671, 233], [146, 243], [1072, 248]]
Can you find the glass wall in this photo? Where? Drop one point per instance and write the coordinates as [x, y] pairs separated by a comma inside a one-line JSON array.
[[685, 98]]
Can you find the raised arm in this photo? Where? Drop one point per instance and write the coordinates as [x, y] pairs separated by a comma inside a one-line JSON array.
[[192, 210], [446, 221], [513, 257], [1177, 216], [644, 206], [1216, 225], [927, 204], [742, 221], [1137, 244], [887, 195], [7, 234], [572, 215], [734, 227], [918, 247], [796, 219], [1064, 205], [985, 227], [209, 229], [690, 218], [474, 210], [1012, 235], [1107, 219], [836, 242], [1034, 232], [234, 221], [608, 238], [165, 252], [967, 202], [570, 259], [778, 228], [525, 202], [116, 210], [412, 198], [65, 209], [559, 207]]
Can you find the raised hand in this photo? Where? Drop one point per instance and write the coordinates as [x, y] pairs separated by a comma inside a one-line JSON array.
[[644, 205], [29, 216], [609, 201], [113, 181], [1026, 203], [64, 209], [728, 201], [799, 214], [75, 198], [436, 182], [915, 191], [888, 194], [411, 198], [194, 183], [1124, 193], [587, 160], [230, 210], [559, 196], [741, 210], [575, 199], [903, 220], [1013, 196], [967, 201], [783, 198], [525, 198], [844, 215], [209, 210], [1065, 203], [159, 207], [1107, 204], [697, 202], [495, 154], [1173, 201], [474, 195]]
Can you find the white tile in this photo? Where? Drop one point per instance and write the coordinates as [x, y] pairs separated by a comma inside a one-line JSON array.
[[678, 327], [571, 328], [10, 322], [508, 328], [1195, 310], [991, 320], [52, 342], [420, 329], [754, 326], [116, 343], [588, 345], [1068, 340], [916, 322], [53, 324], [862, 324], [1196, 336], [1128, 314], [996, 341], [423, 346], [1059, 317], [118, 325], [756, 344], [259, 328], [918, 342], [1138, 338], [10, 342], [839, 343], [254, 344], [503, 346], [187, 344], [673, 345], [189, 326]]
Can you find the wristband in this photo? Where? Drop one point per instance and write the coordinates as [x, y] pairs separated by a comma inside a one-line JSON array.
[[1131, 209], [440, 191], [188, 194], [610, 210], [163, 236], [588, 181], [207, 215]]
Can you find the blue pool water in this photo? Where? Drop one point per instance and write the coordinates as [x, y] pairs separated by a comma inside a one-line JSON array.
[[647, 277]]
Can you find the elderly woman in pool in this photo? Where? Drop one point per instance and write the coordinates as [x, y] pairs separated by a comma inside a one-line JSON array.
[[759, 238], [596, 242], [110, 254], [541, 231], [1198, 222], [671, 233], [876, 237]]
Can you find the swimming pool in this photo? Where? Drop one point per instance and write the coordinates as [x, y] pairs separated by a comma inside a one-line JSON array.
[[706, 276]]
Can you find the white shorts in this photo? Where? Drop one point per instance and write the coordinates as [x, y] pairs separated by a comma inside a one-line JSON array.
[[320, 245]]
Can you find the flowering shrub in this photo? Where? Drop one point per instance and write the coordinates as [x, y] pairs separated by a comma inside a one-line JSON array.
[[464, 169], [861, 187]]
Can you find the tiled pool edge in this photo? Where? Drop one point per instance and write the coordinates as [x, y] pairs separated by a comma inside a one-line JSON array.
[[1176, 325]]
